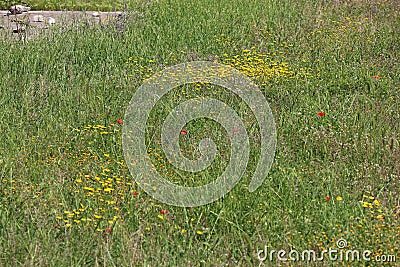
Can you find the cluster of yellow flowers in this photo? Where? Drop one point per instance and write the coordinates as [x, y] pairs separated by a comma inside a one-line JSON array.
[[257, 65], [103, 183]]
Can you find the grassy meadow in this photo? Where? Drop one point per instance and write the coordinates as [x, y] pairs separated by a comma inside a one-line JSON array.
[[330, 72]]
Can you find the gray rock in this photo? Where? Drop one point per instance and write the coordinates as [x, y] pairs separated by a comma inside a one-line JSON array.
[[38, 18], [51, 20], [18, 9], [120, 22]]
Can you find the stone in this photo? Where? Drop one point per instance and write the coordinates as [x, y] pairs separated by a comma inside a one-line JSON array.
[[120, 22], [18, 9], [38, 18], [51, 20], [96, 14]]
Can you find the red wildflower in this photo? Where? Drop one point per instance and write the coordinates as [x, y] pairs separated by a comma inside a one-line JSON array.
[[135, 193], [376, 77], [321, 114], [120, 122], [327, 198], [108, 230], [183, 132], [163, 211]]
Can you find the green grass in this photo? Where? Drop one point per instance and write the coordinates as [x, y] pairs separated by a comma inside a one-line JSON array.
[[334, 176]]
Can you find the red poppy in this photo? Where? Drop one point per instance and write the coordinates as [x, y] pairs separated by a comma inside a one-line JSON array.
[[376, 77], [108, 230], [327, 198], [135, 193], [321, 114], [163, 211], [183, 132], [120, 122]]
